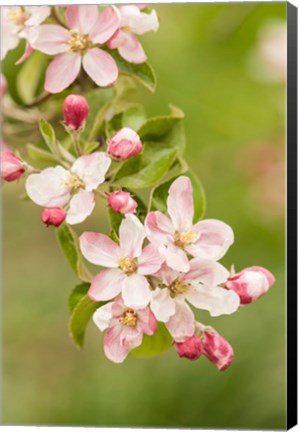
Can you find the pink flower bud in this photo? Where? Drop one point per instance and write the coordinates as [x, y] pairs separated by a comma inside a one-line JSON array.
[[54, 216], [75, 110], [125, 144], [192, 348], [3, 85], [217, 350], [12, 167], [122, 202], [251, 283]]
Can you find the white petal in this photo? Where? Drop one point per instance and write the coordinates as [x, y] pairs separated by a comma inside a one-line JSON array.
[[162, 305], [137, 21], [180, 203], [92, 169], [51, 39], [182, 324], [102, 316], [99, 249], [132, 235], [150, 260], [100, 66], [210, 273], [176, 258], [81, 206], [136, 292], [131, 49], [37, 14]]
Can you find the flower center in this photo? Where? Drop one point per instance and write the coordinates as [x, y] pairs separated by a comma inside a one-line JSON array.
[[129, 318], [184, 238], [177, 287], [17, 16], [78, 42], [75, 182], [128, 265]]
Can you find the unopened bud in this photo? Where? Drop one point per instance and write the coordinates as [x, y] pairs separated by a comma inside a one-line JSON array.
[[12, 167], [251, 283], [125, 144], [54, 216], [217, 350], [122, 202], [75, 110], [192, 348]]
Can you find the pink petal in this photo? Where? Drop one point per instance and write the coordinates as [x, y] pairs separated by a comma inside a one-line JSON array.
[[131, 337], [101, 67], [100, 249], [114, 350], [136, 292], [106, 25], [182, 324], [208, 272], [81, 206], [176, 259], [147, 321], [162, 304], [103, 316], [180, 204], [27, 54], [51, 39], [62, 72], [159, 228], [150, 261], [92, 169], [81, 18], [106, 284], [214, 239], [216, 300], [48, 188], [131, 235], [37, 14], [167, 274], [131, 49], [118, 38]]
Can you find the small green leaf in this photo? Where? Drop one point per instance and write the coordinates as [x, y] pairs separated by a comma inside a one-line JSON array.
[[130, 115], [69, 244], [80, 317], [156, 344], [115, 220], [48, 135], [160, 195], [78, 292], [41, 158], [90, 147], [28, 78]]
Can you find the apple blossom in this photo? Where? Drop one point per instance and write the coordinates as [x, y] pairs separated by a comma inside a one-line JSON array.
[[122, 202], [128, 264], [11, 167], [53, 216], [77, 45], [75, 111], [191, 348], [217, 350], [58, 187], [133, 21], [207, 239], [124, 144], [125, 328], [251, 283], [200, 287]]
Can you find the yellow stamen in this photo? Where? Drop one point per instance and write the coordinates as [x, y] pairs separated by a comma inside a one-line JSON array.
[[177, 287], [128, 265], [17, 16], [183, 239], [75, 182], [129, 318], [79, 43]]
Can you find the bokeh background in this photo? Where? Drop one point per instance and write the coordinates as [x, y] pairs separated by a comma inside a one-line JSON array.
[[215, 62]]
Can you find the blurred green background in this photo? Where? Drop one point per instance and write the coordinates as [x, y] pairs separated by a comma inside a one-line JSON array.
[[235, 127]]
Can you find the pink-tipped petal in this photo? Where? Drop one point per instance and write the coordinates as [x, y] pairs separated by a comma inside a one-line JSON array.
[[81, 18], [162, 304], [182, 324], [208, 272], [118, 38], [214, 239], [101, 67], [150, 261], [106, 284], [159, 228], [106, 25], [62, 72], [27, 54], [92, 169], [147, 321], [180, 203], [136, 292], [80, 207], [131, 49], [114, 350], [103, 316], [131, 235], [50, 39], [99, 249], [176, 259]]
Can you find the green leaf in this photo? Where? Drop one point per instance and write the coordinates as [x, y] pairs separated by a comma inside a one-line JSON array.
[[131, 115], [160, 194], [28, 78], [80, 317], [48, 135], [156, 344], [78, 292], [115, 220], [69, 244], [41, 158], [142, 72], [159, 164], [90, 147]]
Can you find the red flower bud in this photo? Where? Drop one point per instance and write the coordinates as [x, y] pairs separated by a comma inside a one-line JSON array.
[[251, 283], [54, 216], [122, 202], [192, 348], [12, 167], [75, 110], [217, 350], [125, 144]]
